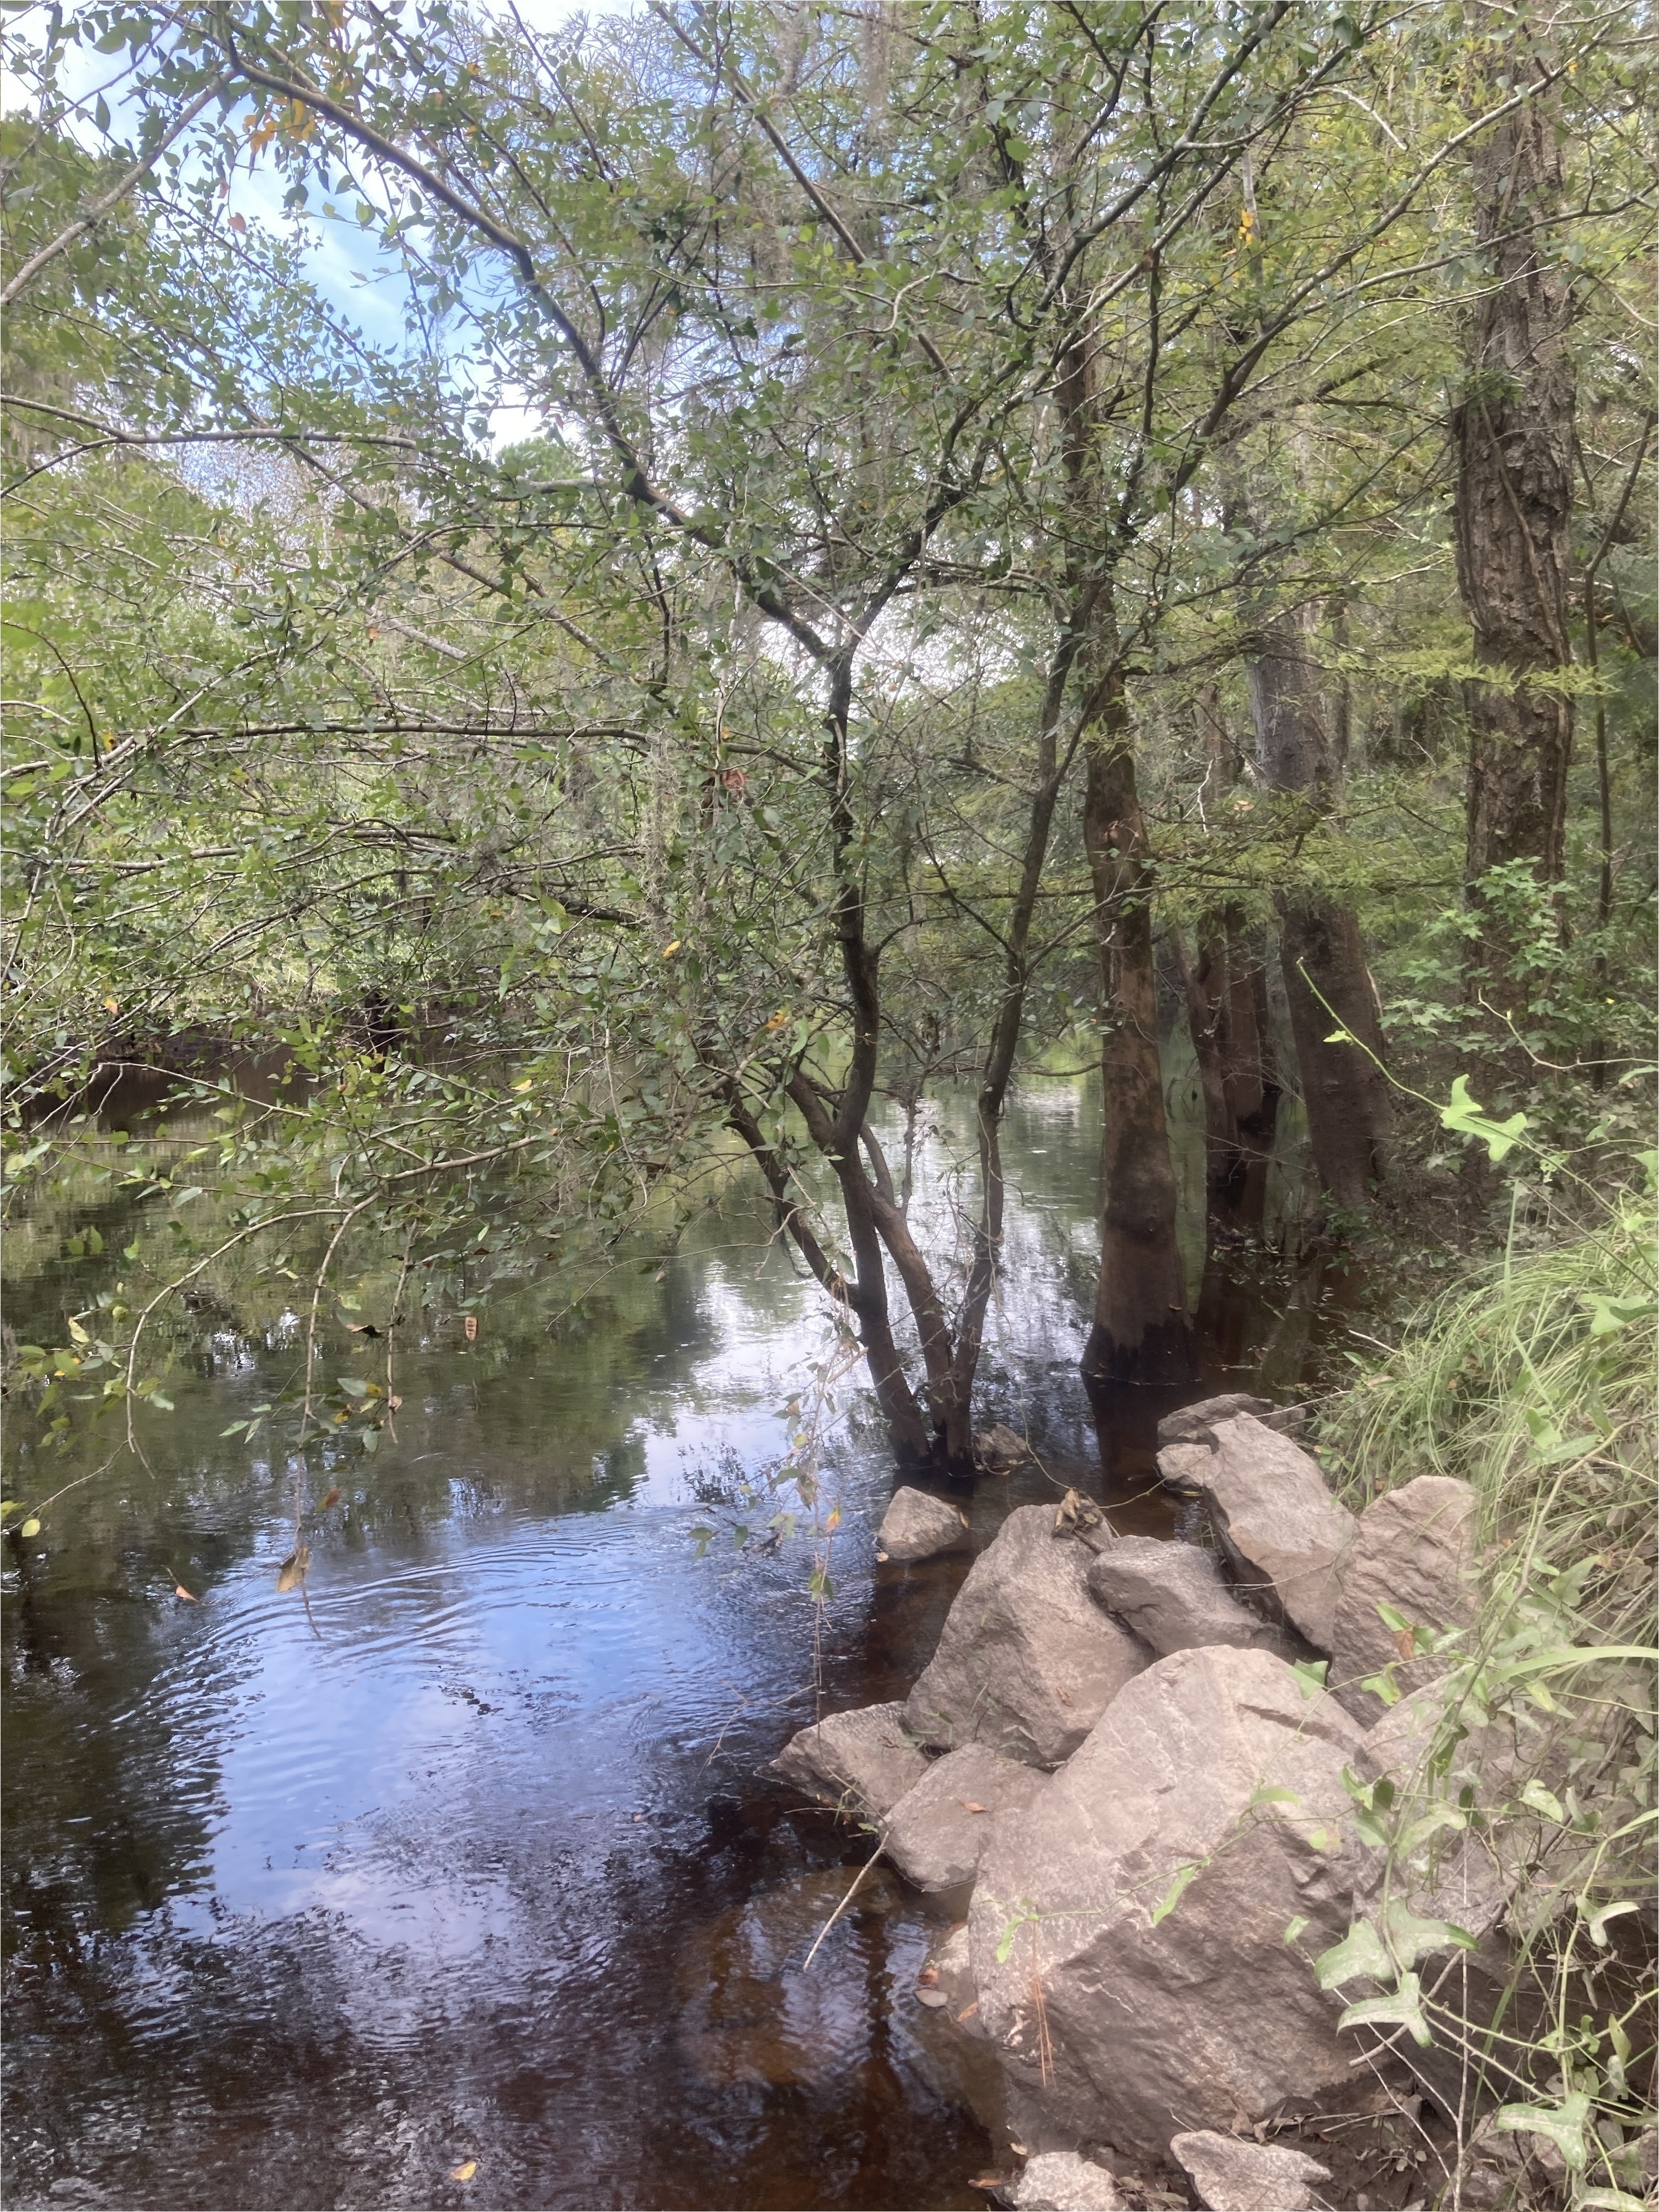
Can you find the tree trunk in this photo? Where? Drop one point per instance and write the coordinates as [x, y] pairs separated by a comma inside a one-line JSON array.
[[1514, 510], [1349, 1113], [1226, 1008], [1140, 1332]]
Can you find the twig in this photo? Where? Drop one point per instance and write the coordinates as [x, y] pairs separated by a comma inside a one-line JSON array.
[[845, 1902]]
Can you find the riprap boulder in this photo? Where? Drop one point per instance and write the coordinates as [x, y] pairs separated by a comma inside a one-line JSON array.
[[1028, 1661]]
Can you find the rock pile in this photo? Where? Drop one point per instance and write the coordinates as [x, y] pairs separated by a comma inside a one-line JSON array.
[[1122, 1745]]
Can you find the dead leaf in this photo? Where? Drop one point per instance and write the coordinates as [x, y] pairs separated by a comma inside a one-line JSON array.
[[393, 1404], [1065, 1696], [332, 1500], [293, 1570], [1404, 1642], [178, 1591], [239, 224], [465, 2171], [470, 1329], [988, 2181], [968, 2011], [969, 1806], [927, 1978]]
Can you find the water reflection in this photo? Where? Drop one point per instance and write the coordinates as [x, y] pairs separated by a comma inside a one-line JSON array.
[[483, 1864]]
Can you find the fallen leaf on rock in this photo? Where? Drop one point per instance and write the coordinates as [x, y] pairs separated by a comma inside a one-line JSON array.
[[969, 1806], [465, 2171]]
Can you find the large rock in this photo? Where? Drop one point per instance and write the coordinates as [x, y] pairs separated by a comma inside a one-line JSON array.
[[1279, 1523], [1232, 2176], [1147, 1892], [863, 1760], [916, 1525], [936, 1832], [1414, 1551], [1173, 1598], [1028, 1661], [1063, 2182], [1196, 1424]]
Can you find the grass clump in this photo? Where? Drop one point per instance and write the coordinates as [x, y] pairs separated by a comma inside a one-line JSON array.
[[1532, 1381]]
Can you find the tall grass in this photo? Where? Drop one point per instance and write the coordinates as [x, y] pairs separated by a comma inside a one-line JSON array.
[[1533, 1381]]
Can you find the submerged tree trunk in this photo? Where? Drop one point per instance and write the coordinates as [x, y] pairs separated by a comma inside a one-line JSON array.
[[1515, 433], [1328, 985], [1226, 996], [1140, 1332]]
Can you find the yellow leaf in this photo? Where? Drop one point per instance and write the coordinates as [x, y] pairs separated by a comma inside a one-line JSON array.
[[30, 1527], [521, 1088], [669, 950], [465, 2171], [112, 1006]]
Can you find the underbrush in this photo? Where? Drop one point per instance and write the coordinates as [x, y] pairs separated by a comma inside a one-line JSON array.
[[1532, 1777]]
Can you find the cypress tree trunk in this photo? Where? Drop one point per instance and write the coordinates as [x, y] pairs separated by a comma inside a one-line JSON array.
[[1226, 1010], [1140, 1332], [1513, 512], [1350, 1114]]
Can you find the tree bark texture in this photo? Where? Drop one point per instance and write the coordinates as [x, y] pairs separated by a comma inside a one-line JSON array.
[[1514, 509], [1226, 994], [1349, 1113], [1140, 1333]]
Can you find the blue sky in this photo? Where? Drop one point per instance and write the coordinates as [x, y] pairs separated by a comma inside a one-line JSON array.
[[342, 260]]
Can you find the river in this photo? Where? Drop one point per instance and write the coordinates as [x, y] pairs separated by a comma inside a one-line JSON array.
[[468, 1886]]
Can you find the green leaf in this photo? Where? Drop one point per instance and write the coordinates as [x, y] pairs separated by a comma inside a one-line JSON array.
[[1563, 2124], [1410, 1935], [1541, 1800], [1310, 1674], [30, 1527], [1596, 1922], [1295, 1928], [352, 1387], [1436, 1818], [1399, 2008], [1185, 1876], [702, 1538], [1359, 1954], [1469, 1118], [1610, 2200]]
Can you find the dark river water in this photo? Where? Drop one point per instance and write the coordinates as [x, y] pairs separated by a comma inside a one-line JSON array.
[[479, 1865]]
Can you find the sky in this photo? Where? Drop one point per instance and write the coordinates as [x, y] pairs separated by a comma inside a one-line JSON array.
[[342, 260]]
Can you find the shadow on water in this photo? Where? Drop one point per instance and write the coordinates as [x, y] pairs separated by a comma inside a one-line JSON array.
[[487, 1867]]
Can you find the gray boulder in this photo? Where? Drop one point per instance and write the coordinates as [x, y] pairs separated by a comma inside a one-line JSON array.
[[1173, 1598], [936, 1832], [861, 1760], [1147, 1892], [1196, 1424], [1234, 2176], [916, 1525], [1185, 1467], [1414, 1549], [1000, 1448], [1278, 1524], [1067, 2183], [1028, 1661]]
